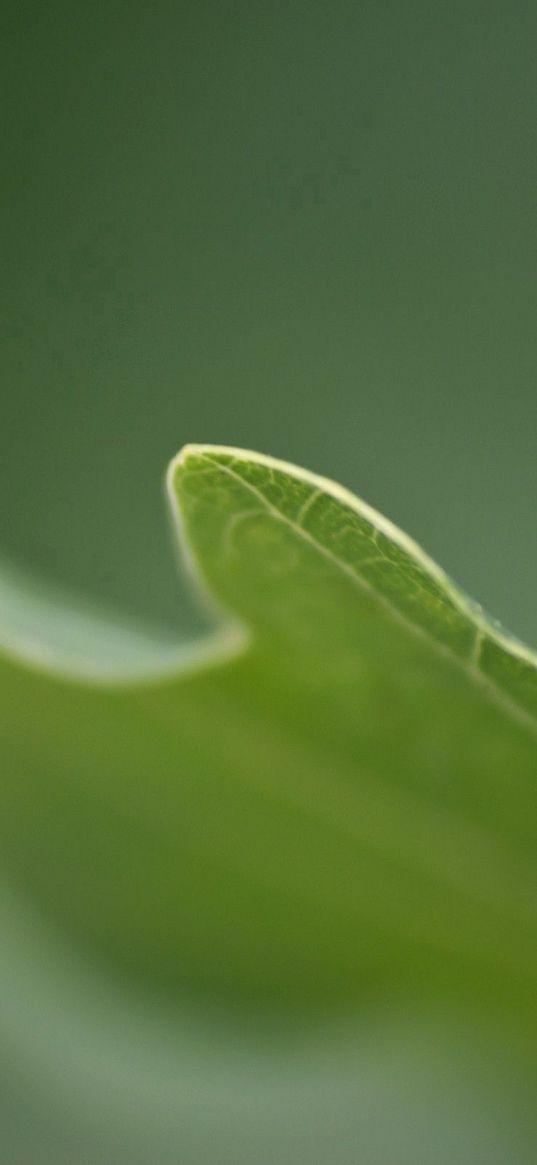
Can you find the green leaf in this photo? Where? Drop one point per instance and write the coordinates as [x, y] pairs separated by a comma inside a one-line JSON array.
[[331, 798]]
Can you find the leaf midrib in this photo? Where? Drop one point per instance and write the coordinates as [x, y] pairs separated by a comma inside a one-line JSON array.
[[469, 665]]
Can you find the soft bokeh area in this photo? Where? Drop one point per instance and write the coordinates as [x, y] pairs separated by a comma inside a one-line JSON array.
[[299, 228], [305, 229]]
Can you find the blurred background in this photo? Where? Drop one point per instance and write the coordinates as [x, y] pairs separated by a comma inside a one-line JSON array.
[[307, 229]]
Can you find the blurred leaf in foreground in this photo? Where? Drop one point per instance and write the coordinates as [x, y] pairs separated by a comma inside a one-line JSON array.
[[327, 802], [334, 795]]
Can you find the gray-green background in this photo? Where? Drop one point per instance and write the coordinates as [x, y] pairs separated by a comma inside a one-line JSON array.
[[306, 228]]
